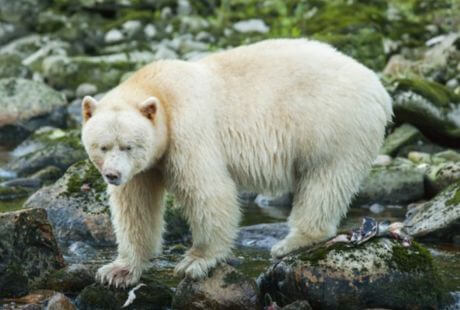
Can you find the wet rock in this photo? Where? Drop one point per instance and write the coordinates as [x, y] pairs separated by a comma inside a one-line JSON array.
[[437, 218], [27, 105], [261, 236], [47, 147], [60, 302], [69, 280], [429, 106], [28, 250], [378, 274], [151, 295], [403, 135], [77, 206], [399, 182], [225, 288]]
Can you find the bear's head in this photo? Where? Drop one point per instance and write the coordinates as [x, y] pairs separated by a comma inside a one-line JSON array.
[[123, 139]]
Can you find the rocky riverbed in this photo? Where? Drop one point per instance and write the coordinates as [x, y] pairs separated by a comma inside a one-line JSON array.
[[55, 228]]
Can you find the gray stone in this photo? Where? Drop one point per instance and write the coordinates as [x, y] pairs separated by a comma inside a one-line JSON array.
[[251, 25], [399, 182], [439, 217], [86, 89], [26, 105]]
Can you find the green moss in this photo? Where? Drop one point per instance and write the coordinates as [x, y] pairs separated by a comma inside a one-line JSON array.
[[90, 176], [415, 258], [455, 200], [233, 277]]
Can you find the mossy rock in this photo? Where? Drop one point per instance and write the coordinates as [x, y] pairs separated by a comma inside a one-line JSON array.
[[48, 147], [402, 136], [152, 295], [437, 218], [377, 274], [70, 280], [224, 289], [28, 250], [429, 106]]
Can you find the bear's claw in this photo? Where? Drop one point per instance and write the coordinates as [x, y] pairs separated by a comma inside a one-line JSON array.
[[118, 275], [194, 267]]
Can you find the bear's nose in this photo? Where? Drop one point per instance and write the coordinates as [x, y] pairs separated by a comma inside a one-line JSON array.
[[112, 176]]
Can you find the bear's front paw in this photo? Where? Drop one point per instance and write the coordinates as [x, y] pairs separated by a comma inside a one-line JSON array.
[[118, 274], [194, 267]]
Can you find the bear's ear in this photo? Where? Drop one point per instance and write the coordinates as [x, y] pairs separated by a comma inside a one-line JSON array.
[[88, 105], [149, 107]]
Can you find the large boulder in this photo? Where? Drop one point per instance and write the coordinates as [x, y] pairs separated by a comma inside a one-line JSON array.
[[27, 105], [77, 206], [28, 250], [224, 289], [377, 274], [439, 217]]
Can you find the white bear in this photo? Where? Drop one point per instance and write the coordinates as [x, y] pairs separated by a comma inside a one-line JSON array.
[[272, 117]]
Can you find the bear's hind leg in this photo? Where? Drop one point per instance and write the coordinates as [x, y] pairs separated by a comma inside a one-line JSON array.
[[321, 200], [213, 217], [137, 215]]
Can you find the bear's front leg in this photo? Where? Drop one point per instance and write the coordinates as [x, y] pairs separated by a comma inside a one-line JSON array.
[[213, 214], [137, 216]]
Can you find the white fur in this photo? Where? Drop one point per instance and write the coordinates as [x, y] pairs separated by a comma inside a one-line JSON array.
[[272, 117]]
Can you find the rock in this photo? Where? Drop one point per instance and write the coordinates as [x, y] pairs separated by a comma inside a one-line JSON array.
[[399, 182], [11, 66], [47, 175], [225, 288], [69, 280], [47, 147], [382, 160], [77, 206], [28, 250], [22, 11], [437, 218], [22, 182], [60, 302], [251, 25], [429, 106], [13, 193], [261, 236], [102, 71], [151, 295], [10, 31], [113, 36], [298, 305], [403, 135], [81, 251], [131, 27], [442, 175], [378, 274], [86, 89], [27, 105], [150, 31]]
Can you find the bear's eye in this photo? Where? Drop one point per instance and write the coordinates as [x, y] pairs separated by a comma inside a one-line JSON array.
[[103, 148], [125, 148]]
